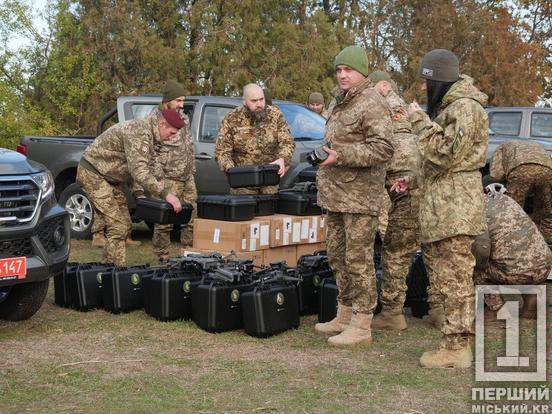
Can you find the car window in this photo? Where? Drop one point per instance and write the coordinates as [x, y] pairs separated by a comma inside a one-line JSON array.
[[505, 123], [140, 111], [210, 123], [541, 125], [304, 123]]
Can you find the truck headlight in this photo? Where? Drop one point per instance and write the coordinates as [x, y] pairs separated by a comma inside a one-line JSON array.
[[45, 182]]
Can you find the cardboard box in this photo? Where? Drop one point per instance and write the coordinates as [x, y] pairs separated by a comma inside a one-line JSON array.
[[239, 236], [274, 254], [303, 249], [317, 228], [256, 256], [280, 229]]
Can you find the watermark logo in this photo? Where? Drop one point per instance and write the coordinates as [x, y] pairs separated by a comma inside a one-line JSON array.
[[512, 366]]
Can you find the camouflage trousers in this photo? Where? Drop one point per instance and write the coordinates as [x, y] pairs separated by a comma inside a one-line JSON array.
[[185, 191], [98, 225], [450, 265], [536, 179], [110, 201], [350, 246], [271, 189], [492, 275], [399, 245], [383, 218]]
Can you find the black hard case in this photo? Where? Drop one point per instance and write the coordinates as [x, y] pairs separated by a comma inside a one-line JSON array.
[[267, 204], [311, 270], [85, 289], [327, 304], [168, 294], [253, 176], [417, 283], [226, 207], [216, 305], [307, 175], [123, 288], [160, 212], [62, 295], [298, 203], [270, 309]]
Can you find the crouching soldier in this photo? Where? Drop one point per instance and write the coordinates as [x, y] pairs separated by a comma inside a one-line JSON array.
[[518, 253]]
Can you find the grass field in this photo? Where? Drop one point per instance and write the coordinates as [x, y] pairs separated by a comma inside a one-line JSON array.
[[62, 360]]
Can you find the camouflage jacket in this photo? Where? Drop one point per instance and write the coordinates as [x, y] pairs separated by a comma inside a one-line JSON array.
[[359, 129], [453, 148], [173, 159], [241, 141], [512, 154], [406, 158], [125, 152], [517, 246]]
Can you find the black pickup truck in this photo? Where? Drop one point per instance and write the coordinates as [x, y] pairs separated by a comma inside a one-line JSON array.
[[61, 155], [34, 235]]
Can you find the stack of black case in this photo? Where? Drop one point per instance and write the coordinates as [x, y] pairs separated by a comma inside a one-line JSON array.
[[253, 176], [123, 288], [85, 288], [299, 200], [311, 270], [226, 207], [62, 294], [327, 307], [158, 211]]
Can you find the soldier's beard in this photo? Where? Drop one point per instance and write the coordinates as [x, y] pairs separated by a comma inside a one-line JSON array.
[[256, 116]]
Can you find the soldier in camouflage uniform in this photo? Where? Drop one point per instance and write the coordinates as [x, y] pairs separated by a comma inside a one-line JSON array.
[[175, 160], [122, 153], [526, 167], [401, 238], [350, 186], [518, 255], [453, 146], [254, 134], [316, 103]]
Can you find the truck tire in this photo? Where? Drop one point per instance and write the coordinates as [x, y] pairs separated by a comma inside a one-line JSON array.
[[81, 212], [22, 301]]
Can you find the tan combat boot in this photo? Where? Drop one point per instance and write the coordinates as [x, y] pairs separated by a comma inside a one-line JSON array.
[[98, 240], [529, 308], [447, 358], [130, 242], [392, 320], [436, 317], [358, 332], [337, 324]]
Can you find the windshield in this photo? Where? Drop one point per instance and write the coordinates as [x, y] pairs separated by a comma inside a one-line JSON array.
[[305, 124]]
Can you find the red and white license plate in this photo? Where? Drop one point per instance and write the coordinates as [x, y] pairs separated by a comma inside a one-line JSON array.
[[13, 268]]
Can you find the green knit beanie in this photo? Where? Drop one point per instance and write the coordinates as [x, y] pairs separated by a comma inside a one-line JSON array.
[[316, 98], [354, 57], [379, 75], [173, 90]]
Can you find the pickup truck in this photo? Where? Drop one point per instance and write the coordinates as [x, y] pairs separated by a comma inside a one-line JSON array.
[[61, 154], [34, 235]]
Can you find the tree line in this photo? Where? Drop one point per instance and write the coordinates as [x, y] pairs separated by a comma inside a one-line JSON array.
[[89, 52]]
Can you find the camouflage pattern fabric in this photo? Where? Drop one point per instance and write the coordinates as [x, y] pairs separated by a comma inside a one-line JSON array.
[[360, 131], [401, 239], [399, 245], [185, 191], [350, 241], [450, 264], [519, 254], [537, 180], [124, 152], [453, 148], [383, 217], [98, 224], [511, 154], [269, 189], [110, 201], [243, 141]]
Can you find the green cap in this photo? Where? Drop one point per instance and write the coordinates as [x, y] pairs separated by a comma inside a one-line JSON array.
[[380, 75], [440, 65], [354, 57], [316, 98], [173, 90]]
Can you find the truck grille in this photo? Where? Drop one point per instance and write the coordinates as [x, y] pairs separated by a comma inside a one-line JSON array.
[[46, 234], [15, 248], [18, 200]]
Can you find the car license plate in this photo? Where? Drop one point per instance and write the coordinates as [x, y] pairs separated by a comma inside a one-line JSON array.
[[13, 268]]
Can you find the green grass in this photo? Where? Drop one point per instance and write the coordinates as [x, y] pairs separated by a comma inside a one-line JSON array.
[[95, 362]]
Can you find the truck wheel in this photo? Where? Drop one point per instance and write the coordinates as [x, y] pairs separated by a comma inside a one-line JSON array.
[[81, 212], [20, 302]]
